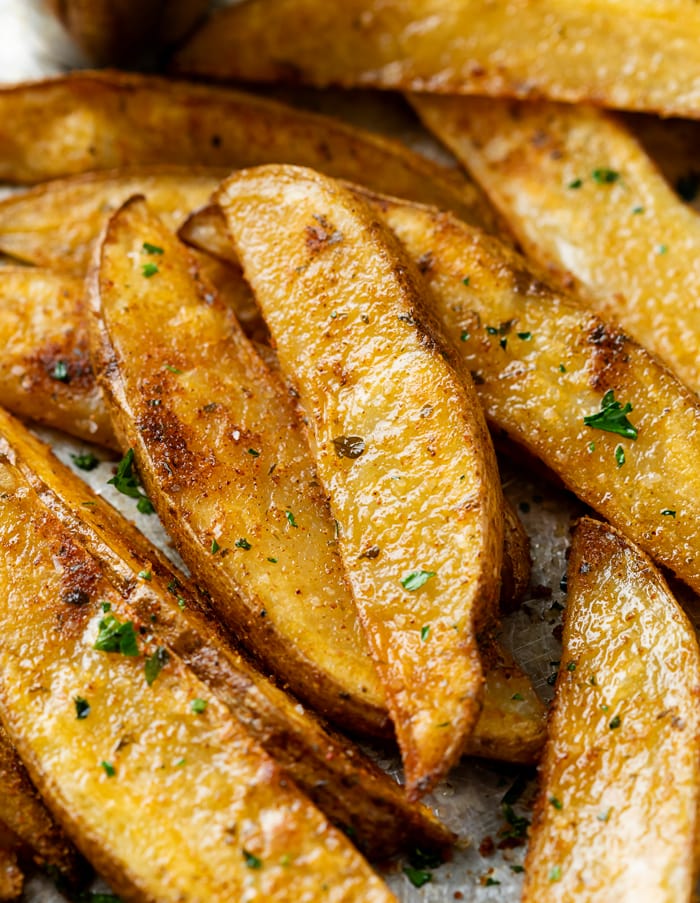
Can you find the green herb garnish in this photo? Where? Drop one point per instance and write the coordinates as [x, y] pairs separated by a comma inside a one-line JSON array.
[[424, 631], [612, 417], [115, 636], [109, 769], [199, 706], [242, 543], [82, 708], [417, 877], [253, 862], [151, 249], [60, 372], [155, 664], [149, 269], [85, 461], [126, 482], [605, 176], [413, 581]]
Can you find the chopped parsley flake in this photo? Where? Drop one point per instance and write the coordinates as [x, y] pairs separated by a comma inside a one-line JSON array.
[[612, 417], [524, 336], [199, 706], [591, 446], [214, 547], [465, 281], [155, 664], [668, 512], [60, 372], [115, 636], [491, 882], [253, 862], [517, 869], [662, 249], [417, 877], [172, 369], [242, 543], [126, 482], [149, 269], [464, 337], [620, 455], [424, 631], [562, 368], [605, 176], [557, 803], [615, 723], [254, 452], [555, 873], [517, 697], [290, 519], [151, 249], [85, 461], [575, 183], [638, 209], [109, 769], [571, 666], [145, 575], [413, 581], [82, 708], [272, 560]]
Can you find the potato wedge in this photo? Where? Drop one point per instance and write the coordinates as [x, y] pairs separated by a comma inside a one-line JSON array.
[[556, 48], [55, 224], [400, 444], [105, 120], [616, 817], [23, 813], [45, 371], [585, 201], [541, 364], [218, 818], [331, 770]]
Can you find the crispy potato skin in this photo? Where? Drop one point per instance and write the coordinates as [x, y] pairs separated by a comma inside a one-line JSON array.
[[24, 814], [370, 363], [55, 224], [541, 364], [330, 769], [226, 782], [464, 47], [45, 370], [640, 268], [622, 760], [106, 120]]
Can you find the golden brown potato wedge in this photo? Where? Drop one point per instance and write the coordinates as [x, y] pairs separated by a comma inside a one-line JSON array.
[[55, 224], [110, 723], [25, 816], [45, 371], [400, 445], [105, 120], [340, 780], [616, 817], [541, 364], [586, 201], [554, 48]]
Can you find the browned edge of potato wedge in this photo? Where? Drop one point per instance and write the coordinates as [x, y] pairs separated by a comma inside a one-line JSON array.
[[108, 119], [464, 47], [585, 201], [620, 781], [154, 741], [55, 224], [541, 363], [45, 369], [506, 729], [24, 815], [386, 400], [343, 782]]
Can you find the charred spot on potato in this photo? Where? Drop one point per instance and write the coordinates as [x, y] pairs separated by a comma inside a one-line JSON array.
[[608, 355], [75, 597], [321, 234]]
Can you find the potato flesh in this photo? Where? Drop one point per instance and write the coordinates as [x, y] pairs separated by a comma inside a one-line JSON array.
[[25, 816], [632, 247], [102, 120], [55, 225], [45, 370], [465, 47], [344, 310], [616, 817], [328, 768], [205, 790], [542, 364]]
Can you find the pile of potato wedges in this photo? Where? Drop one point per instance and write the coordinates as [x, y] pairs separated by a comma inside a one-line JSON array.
[[308, 349]]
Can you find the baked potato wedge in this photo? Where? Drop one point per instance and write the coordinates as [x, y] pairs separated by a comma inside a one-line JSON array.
[[555, 48], [45, 370], [400, 444], [55, 224], [331, 770], [585, 201], [542, 363], [109, 725], [616, 817], [106, 120], [29, 824]]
